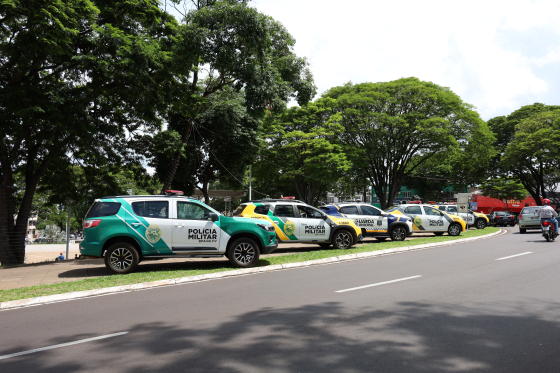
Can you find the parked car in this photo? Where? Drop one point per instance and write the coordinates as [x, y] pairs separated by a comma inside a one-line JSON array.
[[128, 229], [426, 218], [503, 218], [480, 221], [529, 219], [296, 221], [372, 221]]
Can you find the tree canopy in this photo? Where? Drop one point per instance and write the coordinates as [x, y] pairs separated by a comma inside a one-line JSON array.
[[392, 128], [79, 78], [229, 44]]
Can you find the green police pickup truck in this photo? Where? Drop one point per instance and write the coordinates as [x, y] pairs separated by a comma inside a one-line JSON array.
[[126, 230]]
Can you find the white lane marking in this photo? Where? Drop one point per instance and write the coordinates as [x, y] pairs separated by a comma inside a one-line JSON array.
[[513, 256], [379, 283], [62, 345]]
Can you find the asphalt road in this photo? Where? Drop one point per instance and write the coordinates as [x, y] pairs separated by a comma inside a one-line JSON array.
[[455, 308]]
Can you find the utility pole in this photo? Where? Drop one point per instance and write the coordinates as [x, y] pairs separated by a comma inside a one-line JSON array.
[[250, 179], [68, 229]]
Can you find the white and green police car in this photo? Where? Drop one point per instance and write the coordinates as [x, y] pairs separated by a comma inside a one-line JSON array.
[[128, 229]]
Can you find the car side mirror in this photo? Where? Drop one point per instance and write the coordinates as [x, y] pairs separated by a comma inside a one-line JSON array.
[[213, 216], [325, 217]]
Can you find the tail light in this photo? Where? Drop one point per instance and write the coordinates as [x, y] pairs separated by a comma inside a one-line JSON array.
[[545, 223], [520, 216], [91, 223]]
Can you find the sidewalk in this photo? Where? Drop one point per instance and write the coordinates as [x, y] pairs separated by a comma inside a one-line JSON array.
[[44, 270]]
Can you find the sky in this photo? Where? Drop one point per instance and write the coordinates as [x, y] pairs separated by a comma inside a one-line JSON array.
[[496, 55]]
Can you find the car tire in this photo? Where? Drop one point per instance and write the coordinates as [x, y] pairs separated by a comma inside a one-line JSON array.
[[522, 230], [122, 258], [325, 246], [480, 224], [342, 240], [243, 252], [398, 233], [454, 229], [512, 225], [381, 238], [439, 233]]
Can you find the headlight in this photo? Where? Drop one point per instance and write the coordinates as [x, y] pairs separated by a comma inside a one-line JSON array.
[[267, 227]]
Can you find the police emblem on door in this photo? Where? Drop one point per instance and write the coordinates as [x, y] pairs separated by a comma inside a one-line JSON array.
[[289, 228], [153, 233]]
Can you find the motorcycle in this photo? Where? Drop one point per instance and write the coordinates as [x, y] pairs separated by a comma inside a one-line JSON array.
[[548, 230]]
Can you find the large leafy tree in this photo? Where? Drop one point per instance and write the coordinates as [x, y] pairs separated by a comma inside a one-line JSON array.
[[392, 128], [229, 44], [224, 141], [301, 149], [519, 156], [78, 78]]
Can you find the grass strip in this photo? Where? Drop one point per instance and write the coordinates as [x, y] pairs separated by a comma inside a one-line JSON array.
[[154, 271]]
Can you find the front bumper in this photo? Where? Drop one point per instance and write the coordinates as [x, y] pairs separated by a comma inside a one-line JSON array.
[[270, 248]]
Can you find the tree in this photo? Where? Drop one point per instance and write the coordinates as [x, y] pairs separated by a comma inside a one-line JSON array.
[[233, 45], [224, 141], [392, 128], [78, 79], [302, 146], [520, 156], [503, 189]]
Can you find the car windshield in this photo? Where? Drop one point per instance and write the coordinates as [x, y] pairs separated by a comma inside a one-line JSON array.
[[503, 213]]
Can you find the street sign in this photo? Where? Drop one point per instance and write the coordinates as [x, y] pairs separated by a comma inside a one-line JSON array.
[[474, 206], [463, 198], [463, 207]]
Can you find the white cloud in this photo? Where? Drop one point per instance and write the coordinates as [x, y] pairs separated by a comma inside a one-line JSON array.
[[494, 54]]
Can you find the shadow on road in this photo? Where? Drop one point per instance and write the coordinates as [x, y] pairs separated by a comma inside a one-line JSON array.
[[412, 337]]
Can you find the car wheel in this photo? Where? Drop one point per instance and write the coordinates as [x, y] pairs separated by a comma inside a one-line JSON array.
[[243, 252], [512, 225], [381, 238], [325, 245], [342, 240], [438, 233], [122, 258], [522, 230], [454, 229], [398, 233], [480, 224]]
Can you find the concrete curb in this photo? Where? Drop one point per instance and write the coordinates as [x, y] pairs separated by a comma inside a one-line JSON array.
[[28, 302]]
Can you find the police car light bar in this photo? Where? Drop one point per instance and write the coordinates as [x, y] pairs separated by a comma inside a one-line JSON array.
[[174, 192]]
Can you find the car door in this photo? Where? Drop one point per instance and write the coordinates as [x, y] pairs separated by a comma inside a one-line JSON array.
[[352, 212], [149, 222], [285, 220], [194, 231], [416, 214], [433, 220], [373, 219], [312, 226]]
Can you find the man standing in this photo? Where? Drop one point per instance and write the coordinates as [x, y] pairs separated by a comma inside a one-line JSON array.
[[548, 213]]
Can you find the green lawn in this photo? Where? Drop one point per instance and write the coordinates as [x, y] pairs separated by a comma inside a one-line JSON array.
[[154, 271]]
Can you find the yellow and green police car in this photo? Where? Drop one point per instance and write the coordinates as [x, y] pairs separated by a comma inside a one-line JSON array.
[[296, 221], [426, 218]]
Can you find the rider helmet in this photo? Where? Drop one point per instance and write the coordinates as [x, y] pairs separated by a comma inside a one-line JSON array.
[[546, 201]]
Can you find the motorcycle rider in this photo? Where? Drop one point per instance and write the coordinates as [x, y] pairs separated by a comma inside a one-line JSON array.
[[548, 213]]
